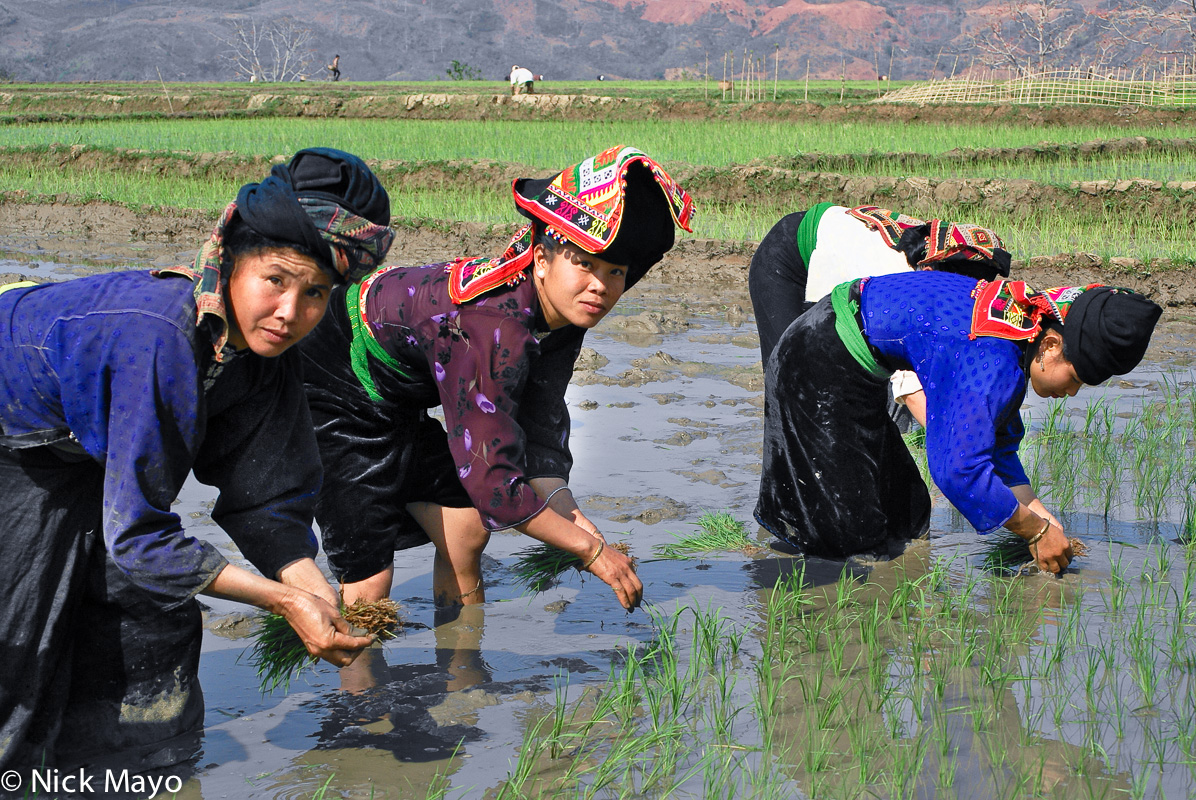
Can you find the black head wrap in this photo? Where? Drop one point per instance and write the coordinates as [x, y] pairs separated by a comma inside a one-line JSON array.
[[1106, 332], [329, 202]]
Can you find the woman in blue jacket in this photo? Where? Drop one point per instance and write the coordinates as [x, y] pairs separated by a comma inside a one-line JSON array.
[[837, 478], [112, 389]]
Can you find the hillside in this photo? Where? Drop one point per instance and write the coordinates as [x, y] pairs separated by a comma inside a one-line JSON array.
[[57, 40]]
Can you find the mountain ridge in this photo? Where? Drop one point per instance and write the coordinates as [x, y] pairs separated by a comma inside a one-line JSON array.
[[70, 40]]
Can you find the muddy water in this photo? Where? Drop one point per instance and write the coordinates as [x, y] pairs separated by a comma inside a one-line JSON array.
[[667, 424]]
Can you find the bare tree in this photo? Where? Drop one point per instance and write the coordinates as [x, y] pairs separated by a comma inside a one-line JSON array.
[[274, 50], [1031, 35], [1168, 27]]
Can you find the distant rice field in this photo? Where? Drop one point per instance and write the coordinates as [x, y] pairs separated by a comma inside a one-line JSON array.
[[553, 144]]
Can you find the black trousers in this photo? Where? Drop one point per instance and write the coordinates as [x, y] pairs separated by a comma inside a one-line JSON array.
[[837, 478], [777, 282], [87, 663]]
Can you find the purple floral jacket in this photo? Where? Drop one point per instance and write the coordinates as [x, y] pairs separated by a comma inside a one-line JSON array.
[[496, 372]]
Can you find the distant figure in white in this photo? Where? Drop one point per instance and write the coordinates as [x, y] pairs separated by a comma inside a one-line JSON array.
[[522, 80]]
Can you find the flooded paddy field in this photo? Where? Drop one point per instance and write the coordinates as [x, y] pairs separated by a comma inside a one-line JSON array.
[[761, 674]]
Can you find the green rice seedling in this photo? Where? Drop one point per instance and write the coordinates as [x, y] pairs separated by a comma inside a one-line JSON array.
[[278, 654], [719, 531], [540, 566], [549, 144]]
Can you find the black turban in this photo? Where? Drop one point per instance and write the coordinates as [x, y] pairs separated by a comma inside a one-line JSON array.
[[1106, 332], [328, 202]]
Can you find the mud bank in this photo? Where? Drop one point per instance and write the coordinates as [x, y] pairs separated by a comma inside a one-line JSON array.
[[114, 235], [79, 101], [802, 180]]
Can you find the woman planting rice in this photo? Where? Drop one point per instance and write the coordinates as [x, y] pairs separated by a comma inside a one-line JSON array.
[[112, 389], [493, 342], [837, 478], [808, 253]]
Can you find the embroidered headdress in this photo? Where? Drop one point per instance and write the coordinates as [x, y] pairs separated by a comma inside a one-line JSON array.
[[949, 246], [1014, 310], [619, 204], [1105, 329]]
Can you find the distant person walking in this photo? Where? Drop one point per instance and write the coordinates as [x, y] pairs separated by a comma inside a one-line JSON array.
[[335, 68], [522, 80]]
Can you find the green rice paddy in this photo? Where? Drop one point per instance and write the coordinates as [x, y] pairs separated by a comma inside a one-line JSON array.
[[552, 144]]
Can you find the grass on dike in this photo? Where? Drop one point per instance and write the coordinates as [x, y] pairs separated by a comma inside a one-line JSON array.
[[1043, 231], [554, 144], [788, 90]]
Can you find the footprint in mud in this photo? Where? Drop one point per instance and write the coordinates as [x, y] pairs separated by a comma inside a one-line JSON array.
[[682, 438], [712, 476], [665, 399], [589, 359], [658, 508]]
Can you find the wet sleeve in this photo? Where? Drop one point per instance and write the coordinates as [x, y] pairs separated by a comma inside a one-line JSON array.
[[543, 413], [481, 363], [261, 454], [132, 397], [969, 396]]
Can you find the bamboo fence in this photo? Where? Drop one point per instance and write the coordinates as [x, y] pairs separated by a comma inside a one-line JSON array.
[[1061, 87]]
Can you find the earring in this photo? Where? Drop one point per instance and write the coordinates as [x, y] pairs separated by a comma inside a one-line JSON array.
[[1041, 366]]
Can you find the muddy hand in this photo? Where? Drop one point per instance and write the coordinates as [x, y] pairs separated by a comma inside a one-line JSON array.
[[615, 570], [324, 632], [1053, 552]]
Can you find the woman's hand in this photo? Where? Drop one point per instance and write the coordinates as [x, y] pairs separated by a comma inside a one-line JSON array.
[[1052, 550], [611, 566], [1052, 553], [615, 569], [304, 574], [323, 631]]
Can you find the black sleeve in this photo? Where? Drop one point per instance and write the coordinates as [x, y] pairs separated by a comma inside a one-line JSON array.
[[543, 413], [260, 452]]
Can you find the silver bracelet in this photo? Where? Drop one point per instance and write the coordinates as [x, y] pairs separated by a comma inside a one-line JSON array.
[[552, 494]]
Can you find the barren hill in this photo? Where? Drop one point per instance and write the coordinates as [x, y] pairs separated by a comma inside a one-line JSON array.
[[561, 39]]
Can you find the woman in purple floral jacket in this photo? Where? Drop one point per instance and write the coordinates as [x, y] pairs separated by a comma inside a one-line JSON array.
[[493, 342]]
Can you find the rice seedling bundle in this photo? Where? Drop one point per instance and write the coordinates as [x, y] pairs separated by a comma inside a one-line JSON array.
[[539, 566], [719, 531], [279, 655]]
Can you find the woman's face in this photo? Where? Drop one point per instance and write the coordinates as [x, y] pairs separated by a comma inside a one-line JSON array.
[[576, 287], [1052, 375], [275, 298]]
